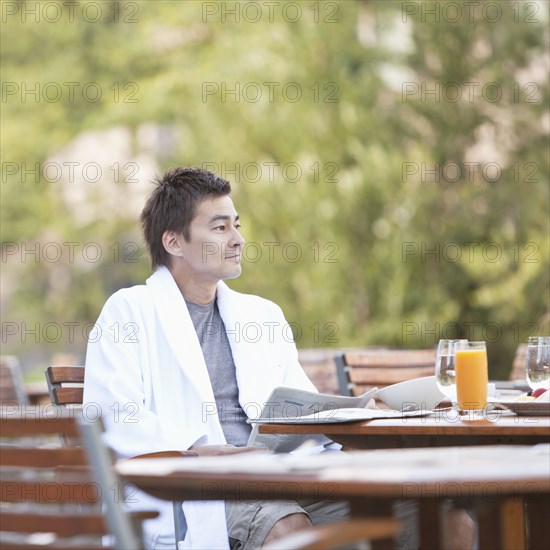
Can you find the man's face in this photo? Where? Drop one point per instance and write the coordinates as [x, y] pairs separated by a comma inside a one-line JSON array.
[[213, 252]]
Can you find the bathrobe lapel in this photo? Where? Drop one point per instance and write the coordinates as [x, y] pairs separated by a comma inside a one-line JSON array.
[[177, 326]]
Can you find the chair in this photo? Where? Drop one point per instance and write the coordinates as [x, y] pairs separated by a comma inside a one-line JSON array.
[[66, 389], [12, 388], [65, 385], [338, 534], [50, 499], [361, 370]]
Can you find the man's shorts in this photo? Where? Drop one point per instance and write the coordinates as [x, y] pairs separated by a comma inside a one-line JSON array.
[[248, 523]]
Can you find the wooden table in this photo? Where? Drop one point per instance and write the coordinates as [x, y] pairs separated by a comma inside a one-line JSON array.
[[445, 428], [492, 477]]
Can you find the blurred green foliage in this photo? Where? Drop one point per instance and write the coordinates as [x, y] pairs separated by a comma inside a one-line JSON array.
[[356, 241]]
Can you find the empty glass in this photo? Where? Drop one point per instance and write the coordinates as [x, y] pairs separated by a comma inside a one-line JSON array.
[[537, 362], [445, 368]]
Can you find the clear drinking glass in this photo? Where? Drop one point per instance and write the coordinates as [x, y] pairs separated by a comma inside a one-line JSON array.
[[445, 368], [537, 362], [472, 376]]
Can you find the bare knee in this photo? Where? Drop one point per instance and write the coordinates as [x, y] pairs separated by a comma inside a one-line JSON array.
[[288, 524], [461, 530]]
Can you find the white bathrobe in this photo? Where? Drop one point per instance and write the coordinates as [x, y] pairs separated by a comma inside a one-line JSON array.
[[145, 372]]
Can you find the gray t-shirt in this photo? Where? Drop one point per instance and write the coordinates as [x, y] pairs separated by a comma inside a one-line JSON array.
[[221, 369]]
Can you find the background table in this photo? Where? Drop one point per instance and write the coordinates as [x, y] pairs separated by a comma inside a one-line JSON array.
[[443, 429]]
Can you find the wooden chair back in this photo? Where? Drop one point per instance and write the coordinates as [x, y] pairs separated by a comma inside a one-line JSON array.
[[66, 385], [12, 388], [362, 370], [66, 389], [340, 534], [50, 497]]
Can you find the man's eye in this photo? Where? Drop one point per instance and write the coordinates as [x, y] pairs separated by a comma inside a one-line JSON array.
[[220, 227], [237, 225]]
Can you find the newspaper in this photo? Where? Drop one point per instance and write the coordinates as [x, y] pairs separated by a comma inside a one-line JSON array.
[[345, 415], [291, 405]]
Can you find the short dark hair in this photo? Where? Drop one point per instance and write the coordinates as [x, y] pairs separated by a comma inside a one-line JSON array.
[[172, 206]]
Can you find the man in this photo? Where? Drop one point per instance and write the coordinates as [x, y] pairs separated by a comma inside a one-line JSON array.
[[164, 353]]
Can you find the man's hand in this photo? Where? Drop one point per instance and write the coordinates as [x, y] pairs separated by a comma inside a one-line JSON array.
[[219, 450]]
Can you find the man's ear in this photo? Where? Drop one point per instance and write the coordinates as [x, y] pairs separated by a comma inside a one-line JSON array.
[[172, 243]]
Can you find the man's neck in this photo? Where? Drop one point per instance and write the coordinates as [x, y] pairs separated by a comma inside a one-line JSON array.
[[192, 290]]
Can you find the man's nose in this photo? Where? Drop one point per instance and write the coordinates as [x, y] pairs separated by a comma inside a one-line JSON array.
[[237, 239]]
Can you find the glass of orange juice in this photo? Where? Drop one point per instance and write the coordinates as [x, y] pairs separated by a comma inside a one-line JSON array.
[[471, 376]]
